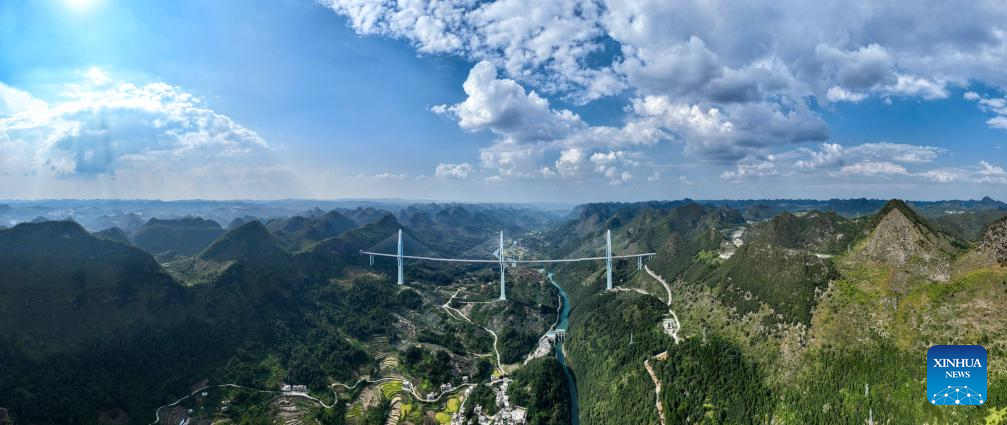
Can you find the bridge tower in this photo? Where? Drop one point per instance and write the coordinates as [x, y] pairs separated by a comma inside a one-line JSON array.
[[503, 266], [401, 280], [608, 259]]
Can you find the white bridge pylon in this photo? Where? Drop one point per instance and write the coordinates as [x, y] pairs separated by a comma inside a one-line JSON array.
[[502, 261]]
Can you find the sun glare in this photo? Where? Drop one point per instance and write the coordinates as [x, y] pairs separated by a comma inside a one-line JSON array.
[[80, 5]]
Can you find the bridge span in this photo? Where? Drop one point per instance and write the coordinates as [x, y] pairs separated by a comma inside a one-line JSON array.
[[502, 260]]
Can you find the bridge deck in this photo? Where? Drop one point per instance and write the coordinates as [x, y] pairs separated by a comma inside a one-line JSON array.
[[475, 260]]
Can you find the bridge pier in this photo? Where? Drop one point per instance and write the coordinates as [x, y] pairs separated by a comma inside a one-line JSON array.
[[503, 267], [401, 280], [608, 259], [639, 263]]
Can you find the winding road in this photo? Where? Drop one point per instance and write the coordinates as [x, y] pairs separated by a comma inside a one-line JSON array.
[[447, 307], [659, 279], [664, 355]]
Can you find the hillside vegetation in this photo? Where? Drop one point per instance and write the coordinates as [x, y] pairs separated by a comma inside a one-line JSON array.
[[815, 318]]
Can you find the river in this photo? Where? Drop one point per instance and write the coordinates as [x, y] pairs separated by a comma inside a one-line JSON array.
[[564, 320]]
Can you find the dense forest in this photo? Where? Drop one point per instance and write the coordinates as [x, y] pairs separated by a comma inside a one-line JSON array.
[[609, 369], [541, 386]]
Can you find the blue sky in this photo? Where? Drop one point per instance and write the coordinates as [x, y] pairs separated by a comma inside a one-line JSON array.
[[512, 100]]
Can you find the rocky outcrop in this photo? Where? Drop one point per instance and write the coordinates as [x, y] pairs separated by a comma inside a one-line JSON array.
[[994, 241], [902, 239]]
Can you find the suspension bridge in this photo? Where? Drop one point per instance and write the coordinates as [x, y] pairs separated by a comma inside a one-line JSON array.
[[503, 261]]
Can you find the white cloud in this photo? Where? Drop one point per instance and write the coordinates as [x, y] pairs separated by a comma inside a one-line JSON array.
[[728, 134], [454, 171], [386, 176], [873, 168], [994, 105], [511, 159], [708, 51], [990, 174], [125, 135], [97, 76], [727, 81], [988, 169], [13, 100], [943, 175], [679, 68], [570, 162], [833, 155], [998, 122], [751, 167], [503, 106], [613, 165], [840, 94], [859, 69], [911, 86], [984, 173], [547, 43]]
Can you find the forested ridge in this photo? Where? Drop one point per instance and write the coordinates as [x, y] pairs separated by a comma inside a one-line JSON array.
[[794, 326]]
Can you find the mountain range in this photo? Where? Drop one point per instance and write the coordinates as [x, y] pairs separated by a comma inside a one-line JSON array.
[[777, 315]]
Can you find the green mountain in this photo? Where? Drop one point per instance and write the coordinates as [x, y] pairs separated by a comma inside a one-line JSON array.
[[128, 222], [300, 231], [250, 242], [826, 233], [364, 216], [791, 326], [966, 226], [249, 246], [84, 312], [184, 236], [114, 234], [96, 314], [62, 286], [238, 221]]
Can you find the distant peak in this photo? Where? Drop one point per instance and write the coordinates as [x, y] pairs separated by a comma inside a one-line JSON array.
[[388, 219], [251, 239], [251, 227], [893, 204], [51, 227], [900, 206]]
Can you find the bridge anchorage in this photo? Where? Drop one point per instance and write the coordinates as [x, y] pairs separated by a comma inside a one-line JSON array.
[[503, 261]]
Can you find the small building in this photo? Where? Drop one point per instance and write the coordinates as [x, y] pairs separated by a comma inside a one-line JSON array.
[[518, 415]]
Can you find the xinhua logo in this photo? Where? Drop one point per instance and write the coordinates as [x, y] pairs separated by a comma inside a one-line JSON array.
[[956, 374]]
